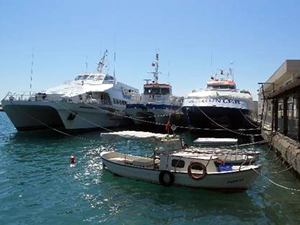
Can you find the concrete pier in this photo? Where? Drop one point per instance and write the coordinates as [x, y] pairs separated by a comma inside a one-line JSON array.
[[279, 110], [286, 148]]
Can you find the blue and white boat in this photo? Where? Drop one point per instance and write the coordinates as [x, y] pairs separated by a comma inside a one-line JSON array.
[[156, 104]]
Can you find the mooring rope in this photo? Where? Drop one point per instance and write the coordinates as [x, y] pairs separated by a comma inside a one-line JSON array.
[[254, 125], [170, 114], [276, 184], [54, 129], [283, 170], [91, 122], [225, 128]]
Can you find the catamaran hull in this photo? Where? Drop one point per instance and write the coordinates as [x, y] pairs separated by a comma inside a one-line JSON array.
[[27, 115], [35, 115], [229, 181]]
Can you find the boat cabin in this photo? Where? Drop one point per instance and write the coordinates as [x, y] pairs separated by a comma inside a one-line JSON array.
[[91, 77], [221, 84], [157, 92]]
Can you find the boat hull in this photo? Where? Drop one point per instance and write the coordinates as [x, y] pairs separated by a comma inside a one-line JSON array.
[[26, 115], [35, 115], [228, 181], [218, 117], [143, 114]]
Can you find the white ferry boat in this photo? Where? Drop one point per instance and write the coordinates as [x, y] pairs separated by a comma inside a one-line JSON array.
[[91, 100], [221, 105], [157, 102]]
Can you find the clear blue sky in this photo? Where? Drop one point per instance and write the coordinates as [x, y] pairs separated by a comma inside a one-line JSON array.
[[256, 35]]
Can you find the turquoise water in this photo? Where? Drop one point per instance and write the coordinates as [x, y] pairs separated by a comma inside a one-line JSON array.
[[38, 186]]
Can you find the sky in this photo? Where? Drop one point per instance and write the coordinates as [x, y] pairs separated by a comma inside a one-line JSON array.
[[195, 38]]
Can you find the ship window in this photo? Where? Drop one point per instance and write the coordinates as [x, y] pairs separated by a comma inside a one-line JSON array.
[[108, 78], [78, 77], [221, 87], [99, 78], [165, 91], [178, 163]]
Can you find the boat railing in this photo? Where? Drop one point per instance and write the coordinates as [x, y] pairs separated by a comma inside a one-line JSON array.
[[13, 96]]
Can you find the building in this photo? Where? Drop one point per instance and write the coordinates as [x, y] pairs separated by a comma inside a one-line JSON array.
[[279, 100]]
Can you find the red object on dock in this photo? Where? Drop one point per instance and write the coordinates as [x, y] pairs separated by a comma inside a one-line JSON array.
[[73, 159]]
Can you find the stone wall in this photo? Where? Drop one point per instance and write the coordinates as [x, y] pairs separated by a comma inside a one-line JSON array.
[[288, 149]]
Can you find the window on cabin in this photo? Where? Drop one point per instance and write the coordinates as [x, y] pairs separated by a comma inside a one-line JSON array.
[[165, 91], [78, 77], [108, 77], [178, 163]]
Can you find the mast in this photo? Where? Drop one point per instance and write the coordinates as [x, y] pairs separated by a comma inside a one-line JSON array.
[[231, 70], [31, 71], [155, 72], [101, 62]]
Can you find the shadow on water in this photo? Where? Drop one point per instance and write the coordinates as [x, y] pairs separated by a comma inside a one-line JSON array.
[[175, 204]]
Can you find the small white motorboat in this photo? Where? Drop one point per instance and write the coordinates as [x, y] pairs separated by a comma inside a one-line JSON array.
[[229, 156], [181, 168], [131, 134], [215, 141]]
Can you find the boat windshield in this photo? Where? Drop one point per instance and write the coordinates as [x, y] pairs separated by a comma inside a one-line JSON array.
[[89, 77], [156, 91], [221, 86], [108, 77]]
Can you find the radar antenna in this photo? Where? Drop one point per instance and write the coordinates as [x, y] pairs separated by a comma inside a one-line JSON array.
[[155, 72]]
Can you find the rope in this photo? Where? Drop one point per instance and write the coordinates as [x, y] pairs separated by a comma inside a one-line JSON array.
[[225, 128], [247, 119], [276, 184], [283, 170], [54, 129], [104, 128]]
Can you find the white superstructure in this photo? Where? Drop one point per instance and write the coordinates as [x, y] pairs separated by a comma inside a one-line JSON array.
[[157, 102], [91, 100], [221, 103]]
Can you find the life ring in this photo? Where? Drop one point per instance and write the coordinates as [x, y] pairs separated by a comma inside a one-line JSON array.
[[169, 181], [199, 166]]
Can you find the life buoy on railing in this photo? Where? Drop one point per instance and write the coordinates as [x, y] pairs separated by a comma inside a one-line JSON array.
[[166, 178], [197, 166]]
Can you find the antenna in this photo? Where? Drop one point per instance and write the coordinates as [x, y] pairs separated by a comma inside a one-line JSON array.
[[86, 63], [168, 71], [115, 59], [231, 70], [156, 65], [31, 71]]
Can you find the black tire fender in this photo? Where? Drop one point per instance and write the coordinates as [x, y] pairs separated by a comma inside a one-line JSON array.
[[162, 180]]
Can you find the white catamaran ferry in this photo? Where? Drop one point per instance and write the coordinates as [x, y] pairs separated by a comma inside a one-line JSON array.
[[157, 102], [91, 100], [219, 105]]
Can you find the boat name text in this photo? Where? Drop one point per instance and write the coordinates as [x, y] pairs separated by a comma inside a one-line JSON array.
[[217, 100]]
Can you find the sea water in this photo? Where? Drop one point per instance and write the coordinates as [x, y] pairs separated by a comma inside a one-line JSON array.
[[39, 186]]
